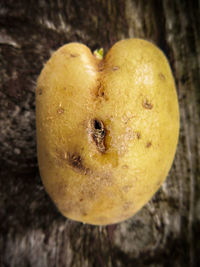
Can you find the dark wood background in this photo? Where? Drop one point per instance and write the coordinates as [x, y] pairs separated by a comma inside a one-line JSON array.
[[166, 232]]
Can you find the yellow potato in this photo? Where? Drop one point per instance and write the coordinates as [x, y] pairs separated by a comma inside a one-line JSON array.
[[107, 129]]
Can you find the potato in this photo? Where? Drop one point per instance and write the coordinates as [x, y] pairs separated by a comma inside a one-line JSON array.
[[107, 129]]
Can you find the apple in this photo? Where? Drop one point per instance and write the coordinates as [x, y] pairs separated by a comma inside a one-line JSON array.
[[107, 129]]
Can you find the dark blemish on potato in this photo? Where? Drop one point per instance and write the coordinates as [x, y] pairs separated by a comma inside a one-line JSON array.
[[138, 135], [74, 55], [40, 91], [162, 76], [97, 124], [98, 134], [115, 68], [147, 104], [81, 199], [60, 110], [100, 90], [148, 144], [76, 162], [101, 66]]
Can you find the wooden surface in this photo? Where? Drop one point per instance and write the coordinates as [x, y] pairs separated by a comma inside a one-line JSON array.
[[166, 232]]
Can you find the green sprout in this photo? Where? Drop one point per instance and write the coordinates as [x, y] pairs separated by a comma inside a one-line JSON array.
[[98, 53]]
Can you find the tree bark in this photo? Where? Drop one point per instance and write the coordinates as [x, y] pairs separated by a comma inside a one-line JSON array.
[[166, 232]]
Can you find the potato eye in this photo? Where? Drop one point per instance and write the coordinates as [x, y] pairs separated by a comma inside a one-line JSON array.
[[99, 128], [98, 133], [97, 125]]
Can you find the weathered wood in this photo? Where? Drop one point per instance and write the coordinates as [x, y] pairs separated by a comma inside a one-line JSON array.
[[166, 232]]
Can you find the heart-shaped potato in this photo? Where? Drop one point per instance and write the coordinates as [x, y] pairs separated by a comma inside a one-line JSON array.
[[107, 129]]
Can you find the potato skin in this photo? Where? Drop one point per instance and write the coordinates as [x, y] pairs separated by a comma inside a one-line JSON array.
[[107, 130]]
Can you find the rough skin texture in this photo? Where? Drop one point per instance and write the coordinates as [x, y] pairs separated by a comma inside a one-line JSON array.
[[107, 130]]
